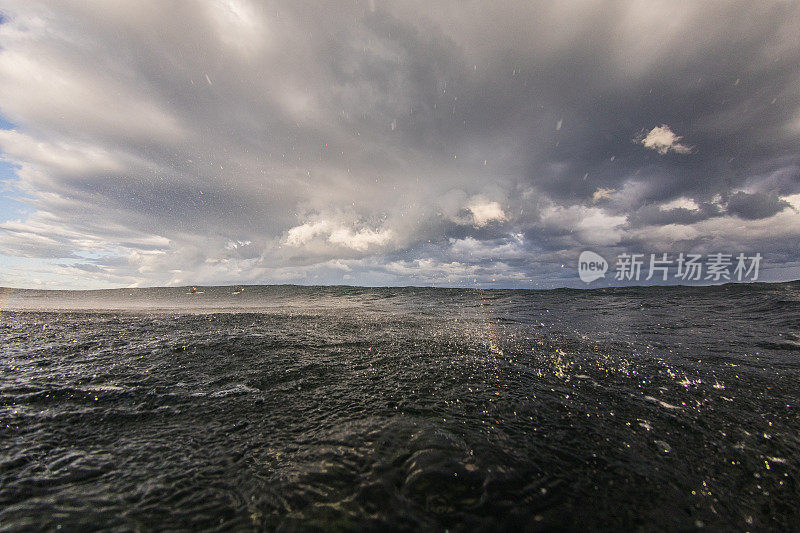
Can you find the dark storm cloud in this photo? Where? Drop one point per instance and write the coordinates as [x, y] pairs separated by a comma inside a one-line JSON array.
[[650, 215], [395, 142], [756, 205]]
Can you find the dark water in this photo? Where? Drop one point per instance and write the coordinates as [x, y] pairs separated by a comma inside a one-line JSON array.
[[401, 409]]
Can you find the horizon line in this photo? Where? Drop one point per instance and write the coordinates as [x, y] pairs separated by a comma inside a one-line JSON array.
[[579, 288]]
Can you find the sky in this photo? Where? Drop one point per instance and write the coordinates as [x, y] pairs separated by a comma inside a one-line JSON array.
[[448, 143]]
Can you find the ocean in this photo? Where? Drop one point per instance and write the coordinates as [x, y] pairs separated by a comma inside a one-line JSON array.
[[338, 408]]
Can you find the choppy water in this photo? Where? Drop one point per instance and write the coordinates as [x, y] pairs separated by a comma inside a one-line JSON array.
[[403, 409]]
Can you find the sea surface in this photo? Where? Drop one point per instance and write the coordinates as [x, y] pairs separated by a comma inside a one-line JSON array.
[[312, 408]]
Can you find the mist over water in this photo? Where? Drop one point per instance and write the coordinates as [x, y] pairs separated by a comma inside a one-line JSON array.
[[345, 408]]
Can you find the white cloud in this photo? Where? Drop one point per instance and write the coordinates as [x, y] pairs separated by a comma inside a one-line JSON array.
[[602, 193], [485, 211], [793, 200], [60, 157], [339, 233], [724, 233], [300, 235], [680, 203], [589, 225], [57, 91], [665, 237], [433, 271], [662, 140], [471, 249], [360, 240]]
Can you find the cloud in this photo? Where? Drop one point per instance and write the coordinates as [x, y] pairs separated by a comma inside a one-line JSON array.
[[360, 240], [484, 211], [227, 142], [313, 235], [793, 200], [470, 248], [680, 203], [586, 225], [300, 235], [663, 140], [756, 205], [602, 193]]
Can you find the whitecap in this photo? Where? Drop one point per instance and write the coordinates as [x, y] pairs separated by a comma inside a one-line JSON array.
[[665, 405], [239, 388]]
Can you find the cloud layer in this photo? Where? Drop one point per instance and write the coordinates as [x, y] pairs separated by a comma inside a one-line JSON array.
[[393, 143]]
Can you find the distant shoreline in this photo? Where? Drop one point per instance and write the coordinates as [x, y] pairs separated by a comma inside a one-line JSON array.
[[400, 287]]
